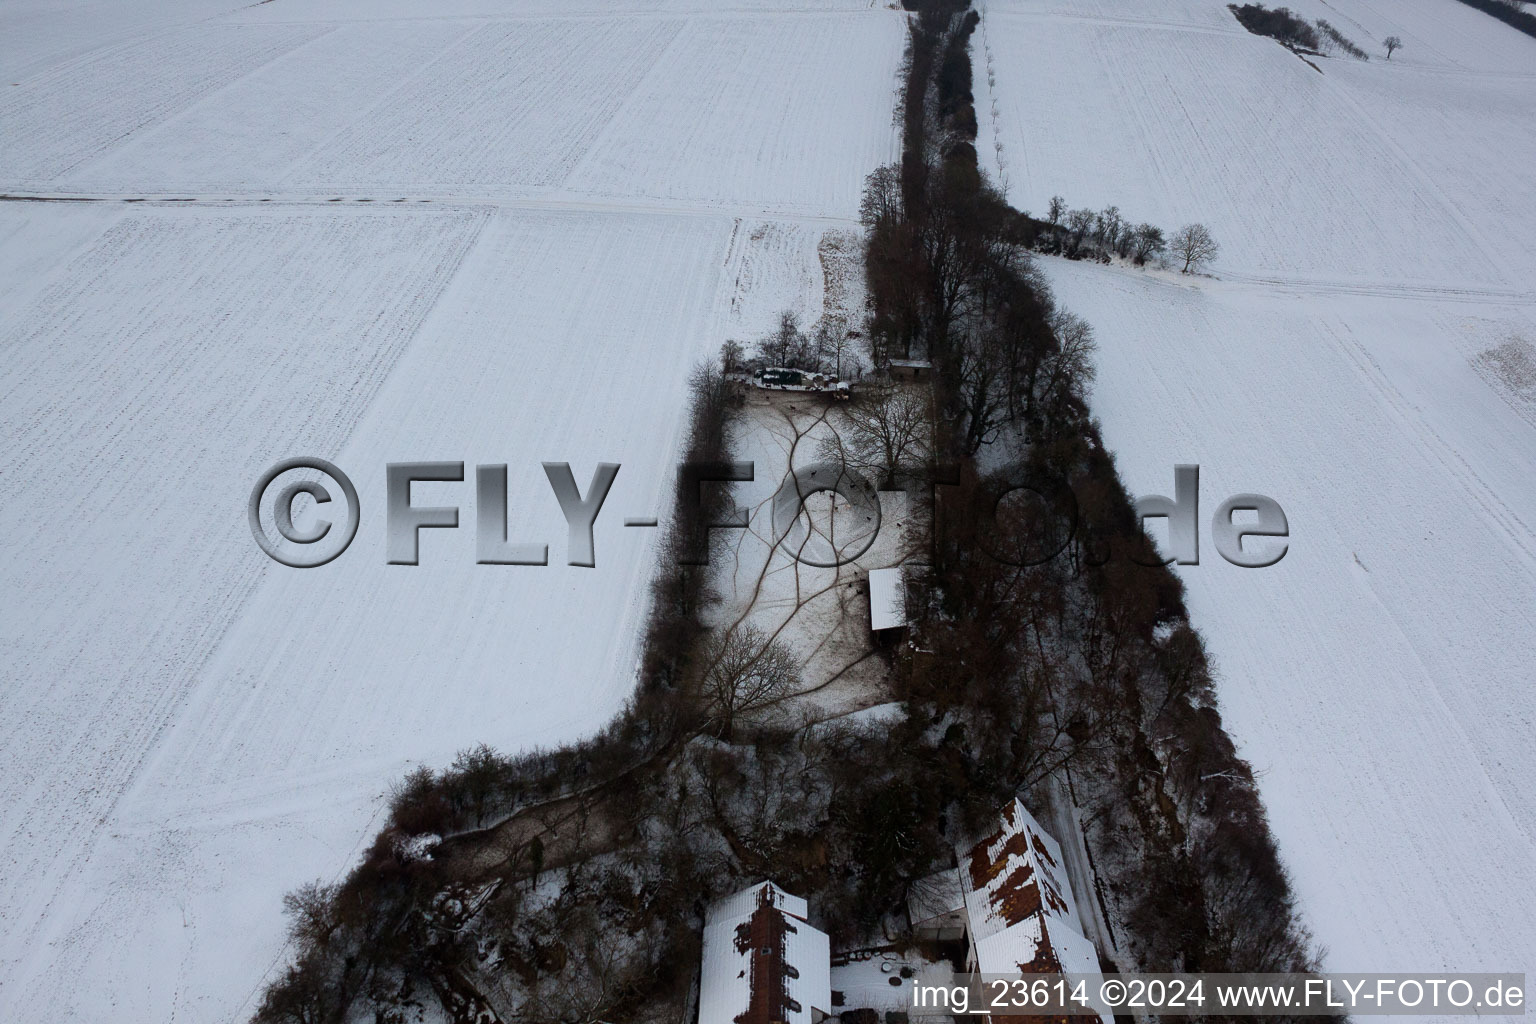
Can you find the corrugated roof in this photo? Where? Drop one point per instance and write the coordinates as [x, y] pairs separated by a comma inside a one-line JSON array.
[[762, 962], [887, 599], [1014, 873], [1019, 903], [746, 901]]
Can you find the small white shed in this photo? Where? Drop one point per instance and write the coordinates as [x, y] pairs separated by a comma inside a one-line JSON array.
[[887, 599]]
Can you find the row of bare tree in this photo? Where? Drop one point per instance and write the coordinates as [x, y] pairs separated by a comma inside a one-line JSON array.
[[1103, 233], [828, 347]]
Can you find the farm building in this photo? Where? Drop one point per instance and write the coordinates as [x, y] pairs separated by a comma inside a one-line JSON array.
[[887, 599], [1018, 904], [763, 963], [1007, 900], [910, 369], [1010, 901]]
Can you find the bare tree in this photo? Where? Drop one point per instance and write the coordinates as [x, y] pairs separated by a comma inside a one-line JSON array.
[[1148, 242], [732, 356], [1194, 244], [955, 255], [312, 912], [1068, 371], [887, 431], [1107, 225], [981, 395], [830, 339], [1391, 43], [786, 346], [475, 773], [1079, 223], [881, 201], [745, 671], [1056, 210]]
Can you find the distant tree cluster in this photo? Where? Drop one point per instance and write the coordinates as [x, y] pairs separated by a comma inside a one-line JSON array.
[[1090, 652], [570, 885], [1102, 234], [1277, 23], [1294, 31], [1097, 234]]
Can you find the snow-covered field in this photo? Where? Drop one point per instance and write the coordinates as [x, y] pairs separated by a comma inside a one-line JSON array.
[[1366, 355], [523, 258], [1408, 172]]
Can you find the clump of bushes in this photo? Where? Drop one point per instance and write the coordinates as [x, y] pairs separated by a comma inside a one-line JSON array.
[[1094, 234], [1277, 23], [1083, 667]]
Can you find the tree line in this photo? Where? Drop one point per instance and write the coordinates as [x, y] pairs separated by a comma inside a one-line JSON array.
[[827, 347], [1101, 234], [1081, 669], [1295, 32]]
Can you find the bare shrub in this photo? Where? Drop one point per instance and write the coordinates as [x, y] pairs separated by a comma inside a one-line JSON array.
[[745, 671]]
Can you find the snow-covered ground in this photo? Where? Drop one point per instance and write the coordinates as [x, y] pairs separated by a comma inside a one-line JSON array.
[[1365, 355], [821, 613], [539, 223]]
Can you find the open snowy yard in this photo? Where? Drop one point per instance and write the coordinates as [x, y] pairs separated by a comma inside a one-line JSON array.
[[1367, 357], [523, 261]]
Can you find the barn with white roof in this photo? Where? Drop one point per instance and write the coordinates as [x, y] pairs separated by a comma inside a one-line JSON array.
[[763, 962], [887, 599], [1008, 899], [1018, 905]]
